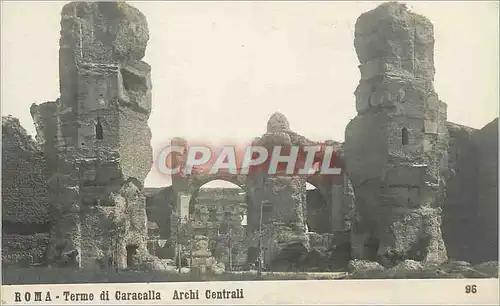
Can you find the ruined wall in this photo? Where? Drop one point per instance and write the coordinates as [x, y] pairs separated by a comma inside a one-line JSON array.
[[284, 221], [460, 210], [288, 220], [470, 212], [135, 106], [486, 141], [284, 200], [98, 136], [26, 221], [396, 147], [24, 195]]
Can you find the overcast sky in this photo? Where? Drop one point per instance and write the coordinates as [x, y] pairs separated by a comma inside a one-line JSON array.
[[220, 69]]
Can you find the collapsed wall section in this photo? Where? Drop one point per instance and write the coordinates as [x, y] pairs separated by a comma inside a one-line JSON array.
[[26, 221]]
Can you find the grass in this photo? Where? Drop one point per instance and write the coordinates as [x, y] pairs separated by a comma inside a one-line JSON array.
[[43, 275]]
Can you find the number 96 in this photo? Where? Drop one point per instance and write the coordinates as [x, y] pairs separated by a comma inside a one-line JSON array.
[[470, 289]]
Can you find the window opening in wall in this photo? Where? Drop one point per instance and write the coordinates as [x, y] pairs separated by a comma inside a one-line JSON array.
[[98, 130], [131, 252], [404, 136]]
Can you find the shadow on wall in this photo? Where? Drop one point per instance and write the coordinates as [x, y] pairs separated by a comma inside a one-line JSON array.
[[317, 212], [159, 207]]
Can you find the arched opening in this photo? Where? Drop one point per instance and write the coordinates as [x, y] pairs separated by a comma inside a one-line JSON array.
[[222, 201], [219, 210], [317, 218], [404, 136], [131, 253], [99, 133]]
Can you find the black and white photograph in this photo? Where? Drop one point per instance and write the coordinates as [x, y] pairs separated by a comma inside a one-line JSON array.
[[209, 147]]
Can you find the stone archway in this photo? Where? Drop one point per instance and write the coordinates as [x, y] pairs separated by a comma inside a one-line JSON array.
[[220, 194], [217, 209], [275, 203], [185, 188]]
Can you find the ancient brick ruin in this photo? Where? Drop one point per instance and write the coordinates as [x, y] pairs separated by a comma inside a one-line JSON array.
[[396, 147], [95, 137], [25, 205], [286, 240], [413, 185]]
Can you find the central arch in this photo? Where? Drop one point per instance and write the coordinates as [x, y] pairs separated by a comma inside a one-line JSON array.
[[218, 208]]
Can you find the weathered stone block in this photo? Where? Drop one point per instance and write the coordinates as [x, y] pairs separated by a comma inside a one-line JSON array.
[[103, 41], [404, 175], [430, 127], [412, 234], [372, 68], [135, 91], [136, 154], [98, 87], [393, 33]]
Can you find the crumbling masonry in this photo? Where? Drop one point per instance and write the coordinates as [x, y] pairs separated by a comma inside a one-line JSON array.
[[25, 207], [95, 136], [396, 147]]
